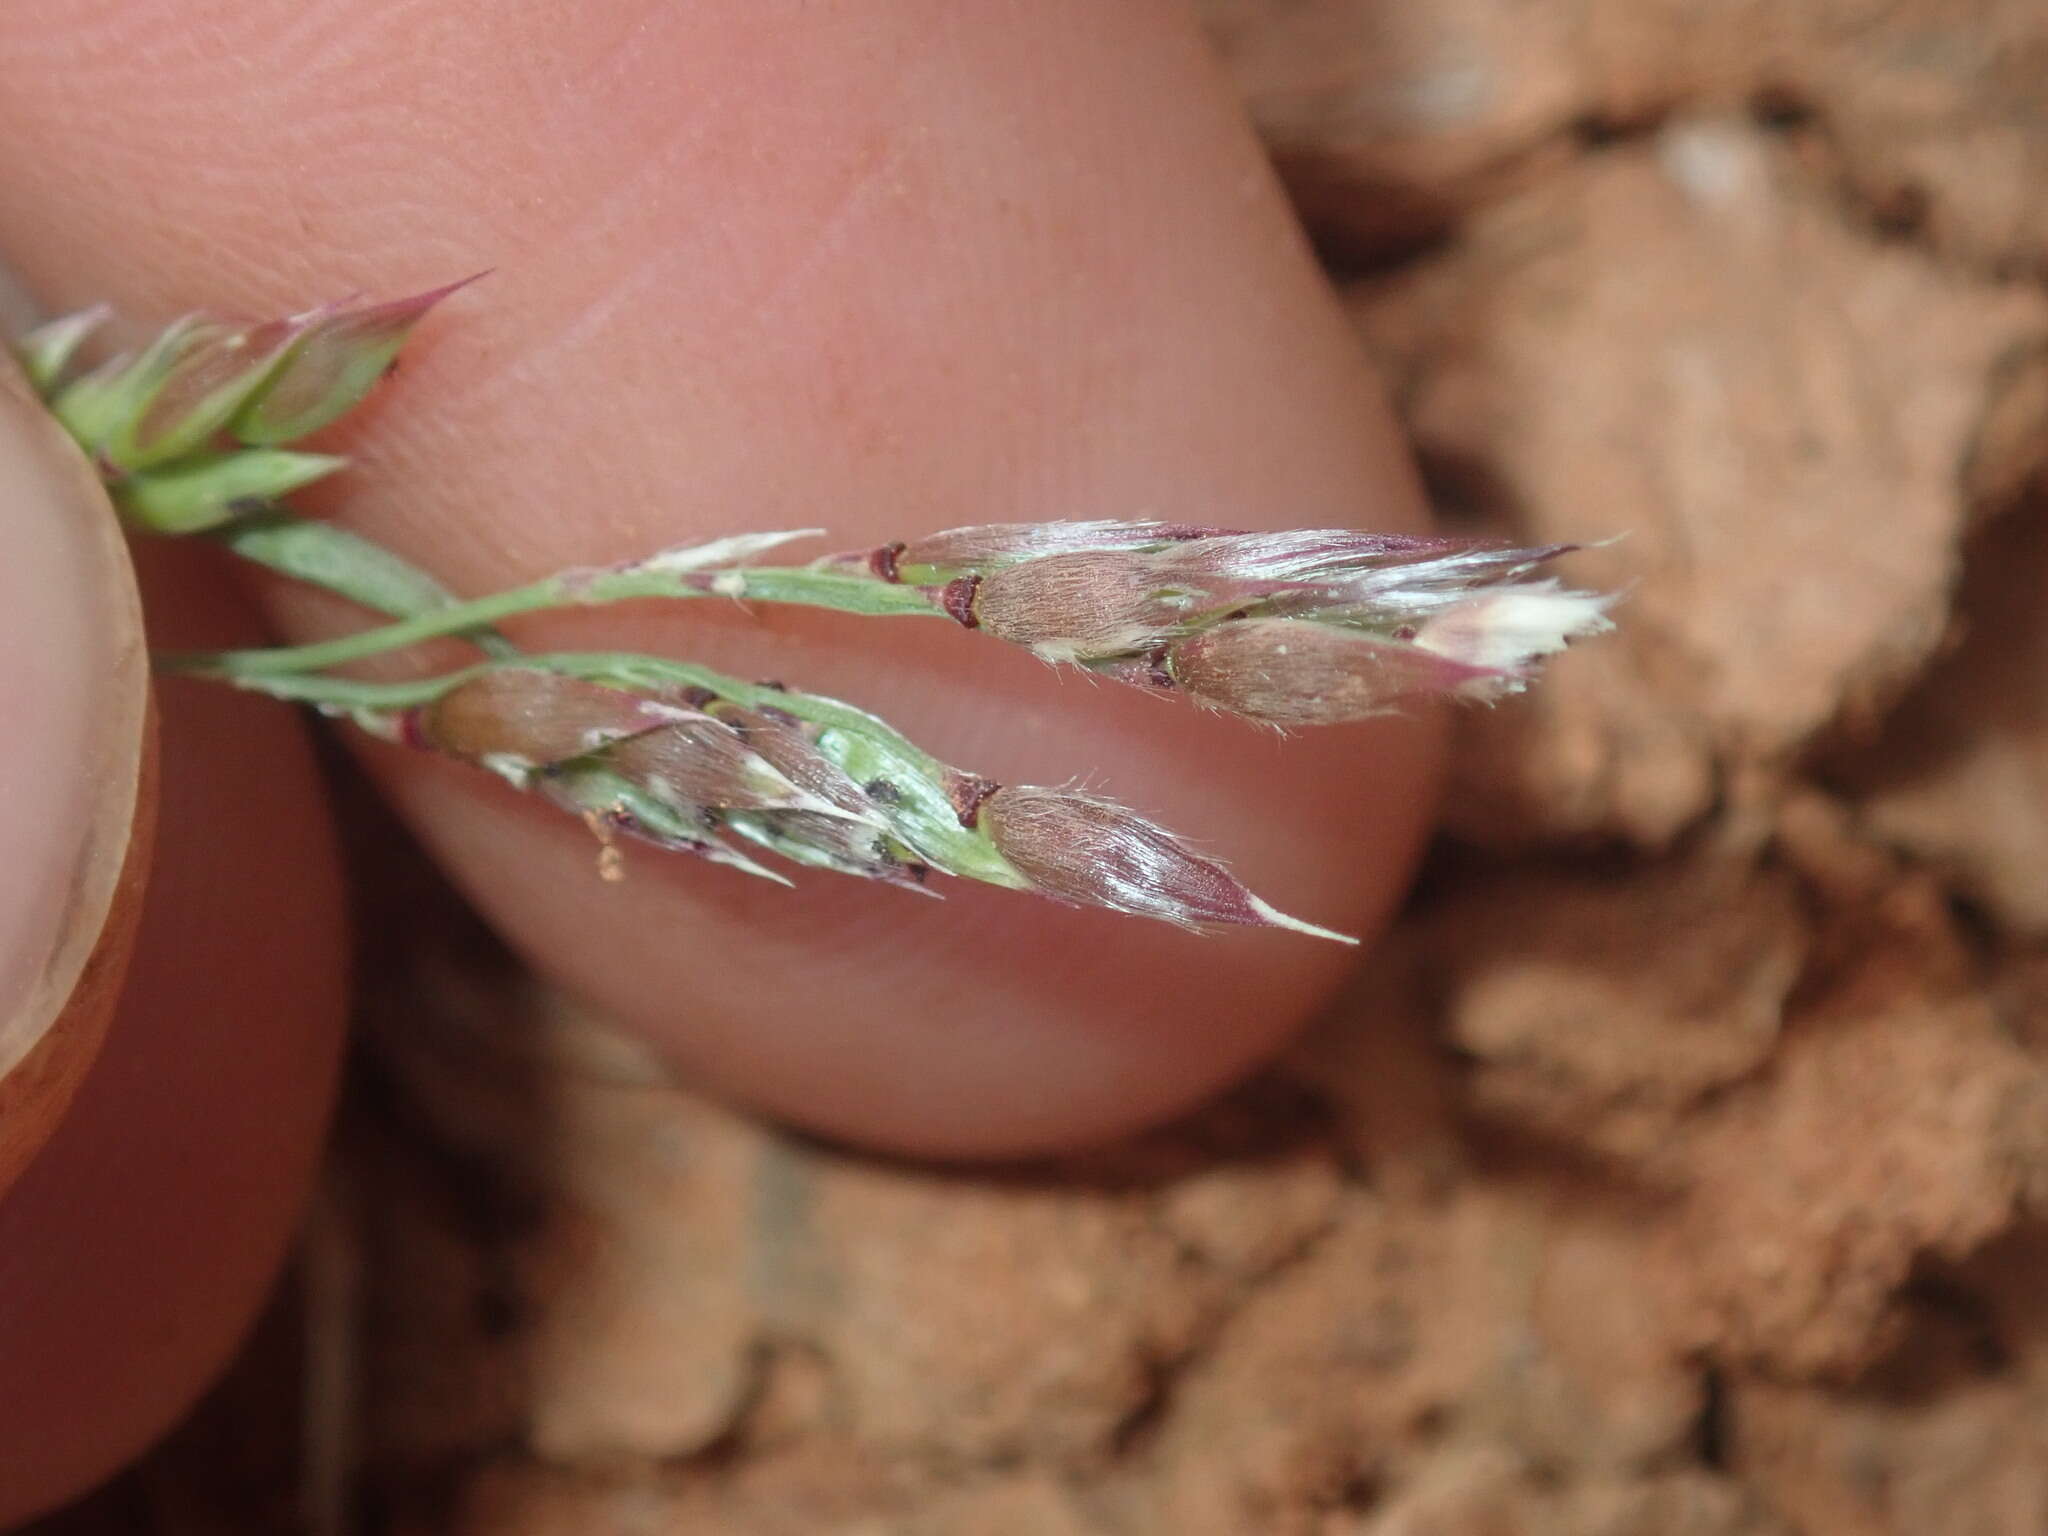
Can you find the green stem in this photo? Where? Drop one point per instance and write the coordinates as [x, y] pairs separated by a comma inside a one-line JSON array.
[[324, 555], [767, 584]]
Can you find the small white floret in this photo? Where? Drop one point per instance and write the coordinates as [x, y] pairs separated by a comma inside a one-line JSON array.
[[514, 770], [1511, 627], [741, 546]]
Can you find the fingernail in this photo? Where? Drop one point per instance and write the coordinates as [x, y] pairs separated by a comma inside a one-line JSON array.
[[74, 735]]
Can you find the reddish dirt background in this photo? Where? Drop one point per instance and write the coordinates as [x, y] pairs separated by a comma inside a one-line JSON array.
[[1678, 1167]]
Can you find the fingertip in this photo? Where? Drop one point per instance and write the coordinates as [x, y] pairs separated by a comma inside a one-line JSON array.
[[74, 821], [138, 1245]]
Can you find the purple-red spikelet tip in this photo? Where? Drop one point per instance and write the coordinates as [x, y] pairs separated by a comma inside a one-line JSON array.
[[1089, 851], [336, 354]]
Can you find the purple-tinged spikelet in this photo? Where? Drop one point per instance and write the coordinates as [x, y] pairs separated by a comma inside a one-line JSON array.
[[189, 433], [991, 546], [1089, 851], [689, 769], [536, 717], [1303, 627], [214, 378], [521, 722], [1073, 606], [333, 358], [1289, 672]]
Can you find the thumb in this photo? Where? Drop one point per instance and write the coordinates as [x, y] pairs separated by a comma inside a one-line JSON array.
[[74, 812], [890, 267], [145, 1203]]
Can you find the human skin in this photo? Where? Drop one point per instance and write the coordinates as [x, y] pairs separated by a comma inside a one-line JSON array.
[[884, 268]]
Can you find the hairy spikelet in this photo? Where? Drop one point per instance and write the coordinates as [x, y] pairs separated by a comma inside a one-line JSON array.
[[1307, 627], [1089, 851], [691, 770], [191, 432]]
